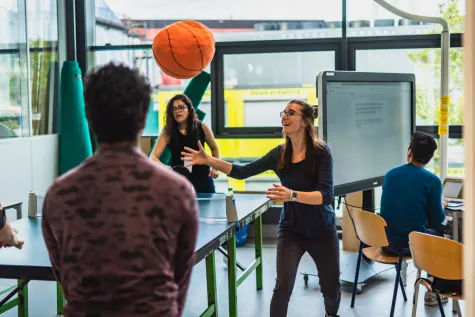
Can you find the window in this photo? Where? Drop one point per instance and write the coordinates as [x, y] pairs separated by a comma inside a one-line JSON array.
[[44, 64], [242, 151], [42, 80], [258, 86], [367, 18], [244, 20], [425, 64], [13, 75], [164, 86], [11, 89], [455, 158]]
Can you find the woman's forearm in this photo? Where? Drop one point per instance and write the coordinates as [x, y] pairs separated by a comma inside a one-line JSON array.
[[219, 165], [156, 159], [215, 153], [310, 198]]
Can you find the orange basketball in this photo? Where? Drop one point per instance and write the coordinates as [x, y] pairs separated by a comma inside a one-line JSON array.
[[183, 49]]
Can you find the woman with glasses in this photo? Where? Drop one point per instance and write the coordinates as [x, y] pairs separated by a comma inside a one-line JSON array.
[[304, 166], [183, 129]]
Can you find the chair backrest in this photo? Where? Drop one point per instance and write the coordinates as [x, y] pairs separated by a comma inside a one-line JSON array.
[[369, 228], [437, 256]]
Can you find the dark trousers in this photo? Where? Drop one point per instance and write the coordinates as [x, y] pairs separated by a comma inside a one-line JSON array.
[[396, 247], [325, 252], [204, 185], [403, 246]]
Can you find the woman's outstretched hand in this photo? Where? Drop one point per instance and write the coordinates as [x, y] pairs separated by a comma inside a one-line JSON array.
[[278, 194], [193, 157]]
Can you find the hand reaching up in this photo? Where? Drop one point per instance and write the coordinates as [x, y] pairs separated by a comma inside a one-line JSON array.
[[193, 157]]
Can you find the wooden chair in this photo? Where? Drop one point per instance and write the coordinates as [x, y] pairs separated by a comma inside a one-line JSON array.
[[370, 229], [439, 257]]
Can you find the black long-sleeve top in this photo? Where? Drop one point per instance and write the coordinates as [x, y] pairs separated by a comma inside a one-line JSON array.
[[307, 221]]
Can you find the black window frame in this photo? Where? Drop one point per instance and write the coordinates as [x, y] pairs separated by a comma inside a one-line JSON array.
[[345, 59], [406, 42], [257, 47]]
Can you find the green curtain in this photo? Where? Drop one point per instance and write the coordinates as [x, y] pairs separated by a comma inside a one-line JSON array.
[[74, 136]]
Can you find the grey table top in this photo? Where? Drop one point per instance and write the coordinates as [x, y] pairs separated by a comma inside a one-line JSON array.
[[32, 261]]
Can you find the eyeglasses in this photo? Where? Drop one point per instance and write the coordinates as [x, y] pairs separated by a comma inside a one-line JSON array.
[[180, 108], [290, 113]]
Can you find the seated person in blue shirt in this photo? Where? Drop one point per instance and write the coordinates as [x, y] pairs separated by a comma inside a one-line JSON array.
[[412, 199]]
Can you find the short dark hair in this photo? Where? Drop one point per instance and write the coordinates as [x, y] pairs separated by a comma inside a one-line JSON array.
[[423, 146], [117, 99]]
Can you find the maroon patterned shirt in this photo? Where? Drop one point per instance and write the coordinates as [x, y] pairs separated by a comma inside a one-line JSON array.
[[121, 232]]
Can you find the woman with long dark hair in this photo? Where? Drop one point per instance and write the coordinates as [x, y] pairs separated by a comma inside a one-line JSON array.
[[183, 129], [304, 166]]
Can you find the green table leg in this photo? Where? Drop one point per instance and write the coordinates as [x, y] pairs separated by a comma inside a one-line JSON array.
[[258, 238], [23, 301], [232, 282], [59, 299], [211, 283]]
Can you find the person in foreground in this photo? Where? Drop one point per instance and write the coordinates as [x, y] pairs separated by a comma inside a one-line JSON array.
[[412, 200], [182, 128], [120, 229], [8, 235], [304, 166]]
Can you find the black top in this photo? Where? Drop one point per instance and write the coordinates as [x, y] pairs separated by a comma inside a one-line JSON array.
[[176, 145], [307, 221]]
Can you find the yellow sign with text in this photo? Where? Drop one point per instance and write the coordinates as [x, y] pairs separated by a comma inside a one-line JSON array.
[[443, 130], [444, 114]]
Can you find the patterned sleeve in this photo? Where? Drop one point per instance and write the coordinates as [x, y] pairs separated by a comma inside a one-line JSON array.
[[50, 239], [184, 259]]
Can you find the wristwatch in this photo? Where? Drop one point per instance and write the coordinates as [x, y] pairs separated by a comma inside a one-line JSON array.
[[293, 196]]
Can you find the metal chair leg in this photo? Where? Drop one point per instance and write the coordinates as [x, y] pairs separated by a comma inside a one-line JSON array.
[[416, 290], [416, 295], [404, 273], [459, 312], [396, 284], [355, 284], [440, 305], [402, 289]]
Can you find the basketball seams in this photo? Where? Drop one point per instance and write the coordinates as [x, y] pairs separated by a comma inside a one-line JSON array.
[[168, 72], [173, 55], [197, 42], [170, 56]]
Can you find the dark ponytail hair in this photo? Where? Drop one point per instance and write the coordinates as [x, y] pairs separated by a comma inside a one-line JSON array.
[[171, 126], [313, 144]]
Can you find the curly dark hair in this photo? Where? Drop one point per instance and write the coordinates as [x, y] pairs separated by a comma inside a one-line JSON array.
[[171, 126], [423, 146], [117, 99]]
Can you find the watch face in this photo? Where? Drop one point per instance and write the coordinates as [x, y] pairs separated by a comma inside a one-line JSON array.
[[294, 195]]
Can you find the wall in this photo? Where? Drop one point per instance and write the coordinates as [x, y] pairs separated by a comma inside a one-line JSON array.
[[27, 164]]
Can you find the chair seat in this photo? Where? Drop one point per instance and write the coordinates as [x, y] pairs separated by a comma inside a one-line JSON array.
[[429, 288], [377, 255]]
